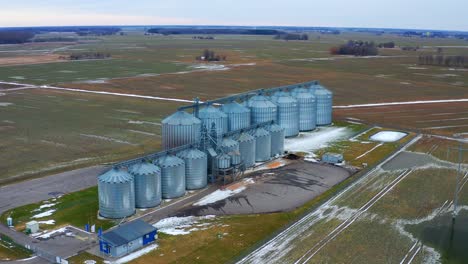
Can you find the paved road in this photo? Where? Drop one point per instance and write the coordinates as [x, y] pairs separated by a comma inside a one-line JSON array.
[[33, 191]]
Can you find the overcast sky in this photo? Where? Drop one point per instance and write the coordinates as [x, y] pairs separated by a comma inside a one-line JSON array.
[[418, 14]]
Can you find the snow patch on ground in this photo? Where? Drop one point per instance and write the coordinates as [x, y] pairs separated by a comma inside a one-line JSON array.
[[311, 141], [141, 132], [183, 225], [47, 235], [44, 214], [388, 136], [136, 122], [218, 195], [417, 68], [210, 67], [108, 139], [403, 103], [5, 104], [135, 255], [48, 222]]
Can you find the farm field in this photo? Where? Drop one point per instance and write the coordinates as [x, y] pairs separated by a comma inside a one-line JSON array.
[[374, 219], [67, 133], [46, 131], [441, 118]]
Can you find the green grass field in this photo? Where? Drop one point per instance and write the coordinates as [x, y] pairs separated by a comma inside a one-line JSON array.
[[9, 250], [49, 131], [77, 209]]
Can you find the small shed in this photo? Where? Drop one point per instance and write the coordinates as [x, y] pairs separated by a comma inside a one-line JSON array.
[[332, 158], [32, 226], [127, 238]]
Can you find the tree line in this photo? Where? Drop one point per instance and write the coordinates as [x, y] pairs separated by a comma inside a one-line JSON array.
[[87, 56], [290, 36], [356, 48], [444, 60], [15, 37], [208, 31]]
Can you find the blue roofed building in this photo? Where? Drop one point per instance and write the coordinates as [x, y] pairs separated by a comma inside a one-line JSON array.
[[127, 238]]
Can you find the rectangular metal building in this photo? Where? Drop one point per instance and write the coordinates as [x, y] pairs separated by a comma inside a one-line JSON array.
[[332, 158], [127, 238]]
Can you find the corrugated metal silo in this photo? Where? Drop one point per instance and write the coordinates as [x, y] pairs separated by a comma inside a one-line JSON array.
[[196, 168], [324, 107], [307, 109], [147, 178], [229, 145], [223, 161], [262, 144], [209, 115], [116, 194], [238, 115], [172, 176], [288, 113], [277, 139], [180, 128], [235, 158], [247, 149], [262, 109]]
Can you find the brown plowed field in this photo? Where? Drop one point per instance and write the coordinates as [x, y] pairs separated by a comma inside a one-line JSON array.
[[441, 118]]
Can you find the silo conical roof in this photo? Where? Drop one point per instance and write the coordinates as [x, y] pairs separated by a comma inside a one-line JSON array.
[[181, 118], [144, 168], [115, 176]]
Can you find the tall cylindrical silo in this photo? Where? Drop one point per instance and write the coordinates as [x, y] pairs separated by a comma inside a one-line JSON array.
[[247, 149], [238, 115], [324, 107], [277, 139], [172, 176], [307, 109], [180, 128], [262, 109], [262, 144], [288, 113], [116, 194], [196, 168], [147, 178], [229, 145], [210, 115]]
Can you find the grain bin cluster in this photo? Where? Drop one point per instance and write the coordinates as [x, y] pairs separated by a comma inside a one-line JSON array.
[[207, 141]]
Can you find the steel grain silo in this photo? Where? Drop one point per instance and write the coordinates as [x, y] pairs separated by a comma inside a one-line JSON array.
[[288, 113], [116, 194], [210, 115], [307, 109], [229, 145], [247, 149], [277, 139], [238, 115], [147, 178], [172, 176], [235, 158], [324, 107], [196, 168], [262, 144], [180, 128], [262, 109], [223, 161]]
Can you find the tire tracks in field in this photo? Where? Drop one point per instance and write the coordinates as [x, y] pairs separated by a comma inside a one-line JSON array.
[[343, 226]]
